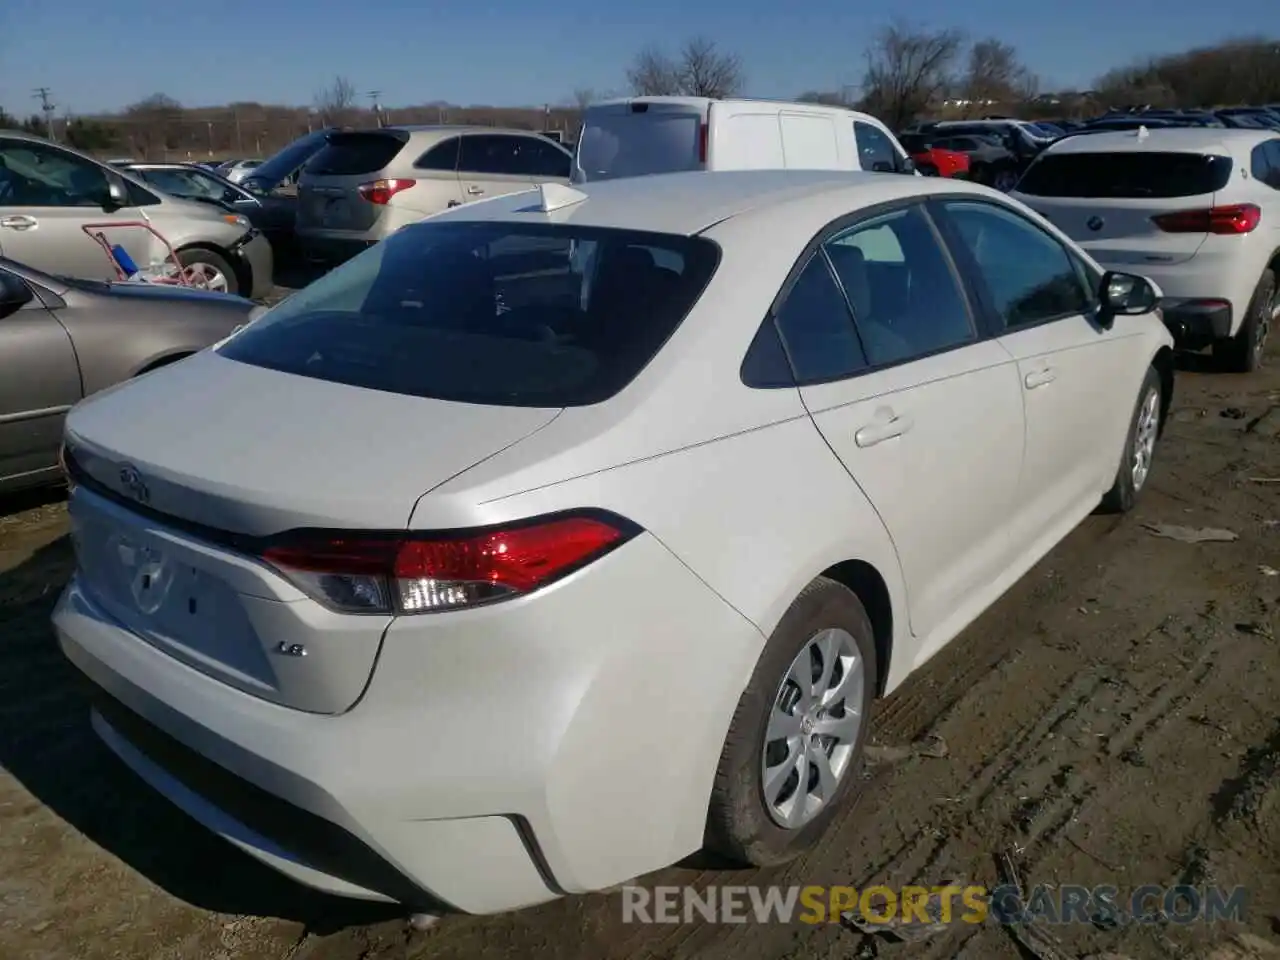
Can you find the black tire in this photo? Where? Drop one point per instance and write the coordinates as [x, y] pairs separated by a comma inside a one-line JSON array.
[[193, 256], [927, 170], [1006, 174], [1123, 495], [739, 826], [1246, 351]]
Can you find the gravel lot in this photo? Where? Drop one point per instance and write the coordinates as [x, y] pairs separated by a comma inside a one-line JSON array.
[[1112, 720]]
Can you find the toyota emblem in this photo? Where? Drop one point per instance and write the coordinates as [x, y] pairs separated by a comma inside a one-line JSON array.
[[1094, 223], [133, 483]]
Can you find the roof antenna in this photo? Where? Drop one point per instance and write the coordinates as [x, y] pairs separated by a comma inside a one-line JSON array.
[[553, 196], [1143, 132]]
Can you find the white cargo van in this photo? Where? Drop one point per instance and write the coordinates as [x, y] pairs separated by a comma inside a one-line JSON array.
[[643, 135]]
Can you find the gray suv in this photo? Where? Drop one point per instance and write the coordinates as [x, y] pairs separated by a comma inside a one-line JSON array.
[[48, 192], [365, 184]]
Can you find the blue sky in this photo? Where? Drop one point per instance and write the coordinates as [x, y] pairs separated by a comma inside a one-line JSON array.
[[99, 56]]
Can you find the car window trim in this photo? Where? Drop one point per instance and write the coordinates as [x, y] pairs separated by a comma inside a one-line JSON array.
[[979, 329], [978, 284]]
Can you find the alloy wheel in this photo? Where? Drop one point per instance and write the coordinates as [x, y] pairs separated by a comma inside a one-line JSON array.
[[1144, 438], [813, 728]]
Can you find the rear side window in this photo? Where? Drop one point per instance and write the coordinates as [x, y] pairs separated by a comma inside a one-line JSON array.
[[353, 154], [531, 315], [443, 156], [1136, 175], [615, 144]]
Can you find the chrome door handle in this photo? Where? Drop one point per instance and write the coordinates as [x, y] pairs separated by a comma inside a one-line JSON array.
[[886, 426], [1039, 378], [18, 222], [474, 191]]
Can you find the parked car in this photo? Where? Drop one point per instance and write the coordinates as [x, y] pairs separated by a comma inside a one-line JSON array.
[[48, 192], [1019, 137], [237, 170], [1196, 209], [932, 160], [272, 215], [366, 184], [645, 135], [62, 340], [990, 162], [594, 521], [278, 174]]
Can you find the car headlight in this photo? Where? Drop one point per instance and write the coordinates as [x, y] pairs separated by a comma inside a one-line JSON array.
[[238, 220]]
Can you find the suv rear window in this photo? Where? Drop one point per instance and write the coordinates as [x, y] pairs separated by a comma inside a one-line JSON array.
[[616, 144], [534, 315], [1126, 175], [352, 154]]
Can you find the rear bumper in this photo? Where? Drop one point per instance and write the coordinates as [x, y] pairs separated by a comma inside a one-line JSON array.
[[500, 757], [330, 250], [1197, 322]]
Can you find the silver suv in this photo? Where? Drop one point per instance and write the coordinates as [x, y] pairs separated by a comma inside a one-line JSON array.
[[48, 192], [366, 184]]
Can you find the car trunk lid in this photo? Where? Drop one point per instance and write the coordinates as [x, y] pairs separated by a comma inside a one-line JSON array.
[[330, 195], [1110, 203], [185, 473]]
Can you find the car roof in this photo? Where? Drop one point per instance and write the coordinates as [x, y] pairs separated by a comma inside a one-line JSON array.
[[1184, 139], [447, 128], [688, 203]]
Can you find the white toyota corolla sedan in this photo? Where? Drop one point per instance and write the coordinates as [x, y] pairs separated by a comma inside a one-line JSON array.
[[561, 535]]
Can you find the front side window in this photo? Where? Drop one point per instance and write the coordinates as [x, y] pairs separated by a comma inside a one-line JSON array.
[[38, 175], [875, 150], [905, 298], [531, 315], [1029, 276]]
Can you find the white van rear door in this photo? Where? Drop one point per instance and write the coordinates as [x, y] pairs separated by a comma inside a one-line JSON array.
[[635, 138], [809, 142]]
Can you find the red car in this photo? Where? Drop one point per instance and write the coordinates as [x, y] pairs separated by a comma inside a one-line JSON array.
[[934, 161]]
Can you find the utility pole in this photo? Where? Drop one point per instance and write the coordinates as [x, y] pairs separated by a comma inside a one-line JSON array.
[[377, 110], [47, 106]]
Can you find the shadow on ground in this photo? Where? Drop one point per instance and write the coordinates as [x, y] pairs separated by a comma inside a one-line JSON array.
[[46, 744]]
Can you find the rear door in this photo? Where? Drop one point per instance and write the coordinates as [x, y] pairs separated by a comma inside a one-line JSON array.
[[924, 414], [493, 164], [329, 197], [635, 138], [1124, 207]]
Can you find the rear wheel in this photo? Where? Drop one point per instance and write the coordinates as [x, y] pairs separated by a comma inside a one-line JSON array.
[[1005, 179], [1139, 448], [1246, 351], [793, 754], [207, 270]]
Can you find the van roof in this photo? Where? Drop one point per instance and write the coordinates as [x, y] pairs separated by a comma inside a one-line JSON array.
[[703, 102]]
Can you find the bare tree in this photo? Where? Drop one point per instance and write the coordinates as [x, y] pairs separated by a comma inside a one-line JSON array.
[[908, 69], [705, 71], [583, 97], [154, 124], [336, 103], [996, 75], [828, 98], [701, 70], [653, 74]]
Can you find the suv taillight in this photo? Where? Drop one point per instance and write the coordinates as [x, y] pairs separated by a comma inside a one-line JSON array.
[[422, 573], [381, 191], [1229, 220]]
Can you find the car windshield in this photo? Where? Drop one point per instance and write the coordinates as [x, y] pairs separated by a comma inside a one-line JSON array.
[[508, 314]]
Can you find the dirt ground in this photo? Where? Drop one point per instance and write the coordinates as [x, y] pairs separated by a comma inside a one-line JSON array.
[[1112, 720]]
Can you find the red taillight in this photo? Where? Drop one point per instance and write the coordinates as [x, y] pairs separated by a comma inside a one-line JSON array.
[[420, 574], [702, 144], [1234, 219], [381, 191]]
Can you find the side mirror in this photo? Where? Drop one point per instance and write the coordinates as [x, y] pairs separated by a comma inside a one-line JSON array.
[[907, 166], [1124, 295], [14, 293], [117, 193]]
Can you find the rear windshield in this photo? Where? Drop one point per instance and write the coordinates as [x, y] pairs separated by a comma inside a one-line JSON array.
[[278, 166], [351, 154], [532, 315], [617, 144], [1126, 175]]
